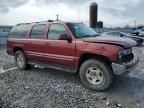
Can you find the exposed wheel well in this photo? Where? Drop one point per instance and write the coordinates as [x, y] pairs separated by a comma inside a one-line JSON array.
[[17, 49], [85, 57]]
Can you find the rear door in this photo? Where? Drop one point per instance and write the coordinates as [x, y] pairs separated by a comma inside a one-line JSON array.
[[60, 52], [36, 43]]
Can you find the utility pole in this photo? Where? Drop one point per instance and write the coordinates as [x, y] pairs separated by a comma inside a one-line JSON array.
[[57, 17], [78, 14], [135, 23]]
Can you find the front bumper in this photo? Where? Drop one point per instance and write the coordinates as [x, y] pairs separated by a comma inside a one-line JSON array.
[[119, 69]]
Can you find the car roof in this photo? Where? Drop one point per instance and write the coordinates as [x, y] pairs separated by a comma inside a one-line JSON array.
[[48, 21], [42, 22]]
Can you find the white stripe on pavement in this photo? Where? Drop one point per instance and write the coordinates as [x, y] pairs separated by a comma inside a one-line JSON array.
[[3, 71]]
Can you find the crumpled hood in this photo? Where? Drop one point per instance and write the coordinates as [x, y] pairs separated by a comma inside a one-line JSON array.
[[125, 42]]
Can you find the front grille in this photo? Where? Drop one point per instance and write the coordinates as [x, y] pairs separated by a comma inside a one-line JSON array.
[[127, 58]]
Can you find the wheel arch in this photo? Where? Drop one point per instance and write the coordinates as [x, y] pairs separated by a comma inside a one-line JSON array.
[[17, 49], [87, 56]]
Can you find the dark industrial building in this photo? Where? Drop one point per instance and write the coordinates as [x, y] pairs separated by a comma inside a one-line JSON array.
[[94, 23], [93, 15], [99, 24]]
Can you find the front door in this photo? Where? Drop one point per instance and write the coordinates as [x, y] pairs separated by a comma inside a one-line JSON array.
[[60, 52]]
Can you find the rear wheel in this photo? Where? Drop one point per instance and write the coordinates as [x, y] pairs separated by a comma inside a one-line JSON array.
[[96, 75], [20, 60]]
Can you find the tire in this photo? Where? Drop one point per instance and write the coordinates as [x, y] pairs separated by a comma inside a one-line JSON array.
[[20, 60], [103, 71]]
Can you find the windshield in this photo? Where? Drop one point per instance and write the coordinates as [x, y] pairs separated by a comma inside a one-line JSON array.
[[137, 30], [82, 30], [125, 34]]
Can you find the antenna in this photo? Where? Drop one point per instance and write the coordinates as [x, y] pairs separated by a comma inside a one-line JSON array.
[[135, 23]]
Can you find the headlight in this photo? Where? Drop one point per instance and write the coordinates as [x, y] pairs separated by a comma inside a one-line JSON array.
[[125, 52], [125, 55]]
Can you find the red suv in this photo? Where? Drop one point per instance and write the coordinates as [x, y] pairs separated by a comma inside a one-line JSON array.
[[72, 47]]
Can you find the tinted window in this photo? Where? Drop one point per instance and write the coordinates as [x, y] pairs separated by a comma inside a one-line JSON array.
[[38, 31], [142, 29], [113, 34], [109, 33], [19, 31], [119, 34], [55, 31]]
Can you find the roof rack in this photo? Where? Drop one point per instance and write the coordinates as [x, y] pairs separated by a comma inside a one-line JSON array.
[[36, 22], [22, 24], [50, 20]]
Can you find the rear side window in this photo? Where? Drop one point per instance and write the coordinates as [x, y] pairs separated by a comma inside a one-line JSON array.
[[109, 34], [55, 31], [19, 31], [38, 31]]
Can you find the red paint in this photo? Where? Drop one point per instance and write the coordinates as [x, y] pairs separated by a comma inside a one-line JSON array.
[[63, 52]]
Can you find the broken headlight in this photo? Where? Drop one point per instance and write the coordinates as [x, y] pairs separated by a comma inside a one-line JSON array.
[[125, 55]]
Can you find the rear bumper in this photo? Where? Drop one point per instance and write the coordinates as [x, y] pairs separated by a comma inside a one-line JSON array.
[[9, 51], [119, 69]]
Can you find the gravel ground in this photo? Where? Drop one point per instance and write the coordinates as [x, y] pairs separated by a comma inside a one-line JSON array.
[[47, 88]]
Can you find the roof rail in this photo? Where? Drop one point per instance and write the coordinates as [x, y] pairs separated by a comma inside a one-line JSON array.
[[35, 22], [22, 24], [50, 20]]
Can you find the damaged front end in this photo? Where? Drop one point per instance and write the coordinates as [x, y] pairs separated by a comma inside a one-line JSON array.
[[127, 62]]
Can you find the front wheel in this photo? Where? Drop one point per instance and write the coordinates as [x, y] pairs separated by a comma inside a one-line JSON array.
[[96, 75], [20, 60]]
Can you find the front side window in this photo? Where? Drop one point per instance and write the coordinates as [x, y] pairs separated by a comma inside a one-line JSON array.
[[55, 31], [142, 30], [116, 34], [110, 34], [38, 31]]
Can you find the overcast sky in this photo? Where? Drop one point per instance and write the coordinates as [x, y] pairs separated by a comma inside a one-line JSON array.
[[111, 12]]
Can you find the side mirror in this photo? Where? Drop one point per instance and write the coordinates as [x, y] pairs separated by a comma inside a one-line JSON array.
[[65, 36]]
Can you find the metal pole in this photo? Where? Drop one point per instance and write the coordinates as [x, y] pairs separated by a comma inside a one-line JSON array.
[[135, 23], [57, 17]]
